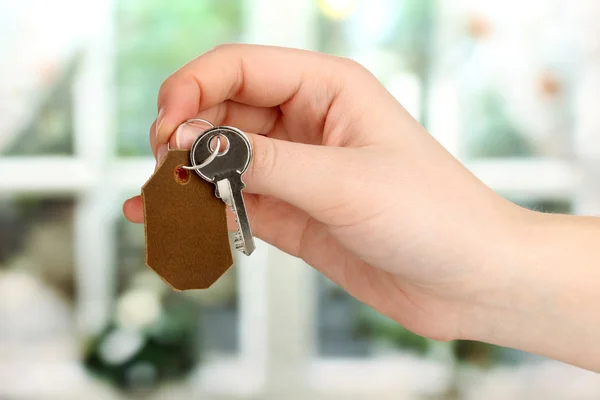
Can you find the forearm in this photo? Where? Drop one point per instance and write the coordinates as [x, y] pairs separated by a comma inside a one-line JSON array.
[[545, 295]]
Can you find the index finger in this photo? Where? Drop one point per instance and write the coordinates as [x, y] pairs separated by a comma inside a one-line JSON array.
[[262, 76]]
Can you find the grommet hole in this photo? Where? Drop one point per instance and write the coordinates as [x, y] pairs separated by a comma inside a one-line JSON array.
[[182, 176]]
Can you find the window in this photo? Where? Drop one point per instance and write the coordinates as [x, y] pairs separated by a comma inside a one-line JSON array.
[[392, 39], [49, 131], [153, 39], [37, 290], [502, 85]]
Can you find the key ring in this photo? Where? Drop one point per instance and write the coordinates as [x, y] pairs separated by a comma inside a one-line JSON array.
[[214, 153], [209, 159]]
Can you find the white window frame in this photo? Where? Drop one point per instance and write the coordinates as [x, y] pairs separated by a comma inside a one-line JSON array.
[[277, 292]]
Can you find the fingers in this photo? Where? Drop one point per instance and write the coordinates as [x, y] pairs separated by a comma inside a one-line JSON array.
[[258, 120], [312, 178], [248, 118], [187, 133], [276, 222], [272, 220], [133, 209], [259, 76], [309, 177]]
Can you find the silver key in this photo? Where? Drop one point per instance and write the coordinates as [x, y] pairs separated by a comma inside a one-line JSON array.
[[225, 172]]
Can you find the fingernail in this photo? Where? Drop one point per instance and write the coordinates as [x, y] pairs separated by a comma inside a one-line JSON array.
[[159, 120], [187, 133], [161, 153]]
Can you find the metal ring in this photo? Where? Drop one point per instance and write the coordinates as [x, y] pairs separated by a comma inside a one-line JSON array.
[[209, 159], [213, 155], [187, 122], [200, 120]]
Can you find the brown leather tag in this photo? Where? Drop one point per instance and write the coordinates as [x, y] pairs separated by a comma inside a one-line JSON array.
[[187, 242]]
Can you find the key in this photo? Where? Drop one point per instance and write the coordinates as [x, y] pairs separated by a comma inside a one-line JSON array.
[[225, 172]]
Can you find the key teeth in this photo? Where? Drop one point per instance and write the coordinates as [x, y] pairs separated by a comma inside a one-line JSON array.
[[238, 241]]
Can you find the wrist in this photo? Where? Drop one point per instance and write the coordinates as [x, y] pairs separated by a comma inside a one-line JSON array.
[[495, 296], [542, 292]]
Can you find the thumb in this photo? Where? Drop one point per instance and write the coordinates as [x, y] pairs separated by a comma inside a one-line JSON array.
[[310, 177]]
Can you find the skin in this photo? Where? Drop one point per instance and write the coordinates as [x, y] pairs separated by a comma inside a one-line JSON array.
[[344, 178]]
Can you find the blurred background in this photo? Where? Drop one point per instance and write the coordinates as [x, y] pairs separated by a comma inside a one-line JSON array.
[[510, 87]]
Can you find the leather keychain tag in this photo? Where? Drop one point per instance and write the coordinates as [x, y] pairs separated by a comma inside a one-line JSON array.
[[187, 242]]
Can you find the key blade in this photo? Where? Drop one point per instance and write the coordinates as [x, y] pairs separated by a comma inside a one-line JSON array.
[[223, 191], [231, 193]]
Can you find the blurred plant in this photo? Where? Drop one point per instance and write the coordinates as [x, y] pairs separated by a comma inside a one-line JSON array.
[[546, 206], [155, 334], [398, 43], [357, 328], [476, 353], [50, 129], [491, 133], [153, 337], [337, 9], [484, 355], [383, 329], [36, 236], [12, 232], [154, 39], [412, 36]]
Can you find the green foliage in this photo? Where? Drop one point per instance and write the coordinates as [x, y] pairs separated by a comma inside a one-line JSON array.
[[50, 130], [490, 130], [486, 355], [547, 206], [154, 39], [381, 328], [476, 353], [410, 39], [35, 208], [169, 351], [412, 34]]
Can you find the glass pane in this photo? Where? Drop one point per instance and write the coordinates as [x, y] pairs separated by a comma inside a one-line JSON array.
[[46, 128], [40, 42], [348, 328], [37, 295], [176, 331], [491, 131], [392, 38], [515, 76], [155, 38]]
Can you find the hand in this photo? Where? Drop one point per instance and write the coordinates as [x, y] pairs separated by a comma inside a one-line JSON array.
[[346, 179]]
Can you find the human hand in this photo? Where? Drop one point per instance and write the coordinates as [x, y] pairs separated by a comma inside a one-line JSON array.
[[346, 179]]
